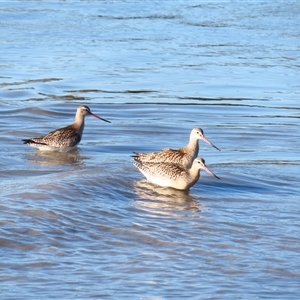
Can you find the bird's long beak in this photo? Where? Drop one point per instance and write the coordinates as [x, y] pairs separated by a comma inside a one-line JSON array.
[[209, 143], [205, 168], [95, 116]]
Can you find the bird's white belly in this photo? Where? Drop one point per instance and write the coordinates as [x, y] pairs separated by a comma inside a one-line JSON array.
[[166, 182], [51, 148]]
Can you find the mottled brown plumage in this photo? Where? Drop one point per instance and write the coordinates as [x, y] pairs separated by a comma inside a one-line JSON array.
[[66, 138], [183, 156], [173, 175]]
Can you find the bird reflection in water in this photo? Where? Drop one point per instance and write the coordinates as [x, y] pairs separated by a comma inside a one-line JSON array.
[[48, 158], [164, 200]]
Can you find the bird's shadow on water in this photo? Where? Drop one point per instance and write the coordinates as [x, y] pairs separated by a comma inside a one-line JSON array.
[[163, 199], [50, 158]]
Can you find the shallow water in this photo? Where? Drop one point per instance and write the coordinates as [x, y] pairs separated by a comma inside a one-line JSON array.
[[86, 224]]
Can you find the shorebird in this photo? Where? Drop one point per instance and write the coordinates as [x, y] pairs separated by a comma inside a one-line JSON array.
[[66, 138], [183, 156], [173, 175]]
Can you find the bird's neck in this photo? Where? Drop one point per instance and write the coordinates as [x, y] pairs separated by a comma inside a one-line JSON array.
[[194, 174], [79, 123], [193, 145], [194, 171]]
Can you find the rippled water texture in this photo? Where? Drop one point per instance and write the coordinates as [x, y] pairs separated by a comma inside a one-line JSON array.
[[86, 224]]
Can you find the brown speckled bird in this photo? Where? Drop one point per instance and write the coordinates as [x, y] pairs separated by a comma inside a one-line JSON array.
[[173, 175], [66, 138], [183, 156]]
